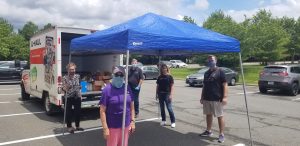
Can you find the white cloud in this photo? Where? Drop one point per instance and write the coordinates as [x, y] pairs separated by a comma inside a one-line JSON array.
[[199, 5], [278, 8], [94, 14]]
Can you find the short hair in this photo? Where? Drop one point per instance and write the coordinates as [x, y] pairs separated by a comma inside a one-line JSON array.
[[70, 64], [212, 56]]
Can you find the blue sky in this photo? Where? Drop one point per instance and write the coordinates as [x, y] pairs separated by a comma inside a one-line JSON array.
[[101, 14]]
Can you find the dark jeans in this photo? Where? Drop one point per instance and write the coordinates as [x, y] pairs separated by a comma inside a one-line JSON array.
[[164, 99], [76, 102], [136, 94]]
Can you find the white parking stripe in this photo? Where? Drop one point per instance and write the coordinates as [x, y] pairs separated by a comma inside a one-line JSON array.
[[21, 114], [10, 89], [247, 93], [57, 135], [11, 94], [239, 144], [295, 99], [13, 101]]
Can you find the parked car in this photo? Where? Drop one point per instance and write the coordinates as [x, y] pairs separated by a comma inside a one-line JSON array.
[[150, 72], [10, 71], [178, 63], [168, 63], [197, 78], [283, 77]]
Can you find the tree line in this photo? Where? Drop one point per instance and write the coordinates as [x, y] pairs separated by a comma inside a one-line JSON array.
[[263, 38]]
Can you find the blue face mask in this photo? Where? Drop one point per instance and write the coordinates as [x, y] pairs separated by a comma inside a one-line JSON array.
[[117, 82], [211, 64]]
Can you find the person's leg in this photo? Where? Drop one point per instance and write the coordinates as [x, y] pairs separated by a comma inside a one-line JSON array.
[[209, 120], [69, 112], [221, 123], [112, 139], [162, 107], [136, 101], [169, 107], [126, 136], [77, 111]]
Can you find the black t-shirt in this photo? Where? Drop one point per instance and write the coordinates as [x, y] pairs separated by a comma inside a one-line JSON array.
[[164, 83], [213, 85], [135, 74]]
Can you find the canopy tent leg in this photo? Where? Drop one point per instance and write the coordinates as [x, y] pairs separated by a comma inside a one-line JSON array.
[[158, 105], [245, 95], [65, 104], [125, 97]]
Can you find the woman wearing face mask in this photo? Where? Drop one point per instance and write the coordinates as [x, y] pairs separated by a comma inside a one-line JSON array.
[[111, 110], [164, 91]]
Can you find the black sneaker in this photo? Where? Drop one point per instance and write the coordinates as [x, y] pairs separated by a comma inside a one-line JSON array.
[[206, 134]]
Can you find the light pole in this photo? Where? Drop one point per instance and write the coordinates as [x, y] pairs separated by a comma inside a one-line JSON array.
[[293, 57]]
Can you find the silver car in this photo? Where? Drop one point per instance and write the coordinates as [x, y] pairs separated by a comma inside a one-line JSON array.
[[197, 78], [283, 77], [150, 72]]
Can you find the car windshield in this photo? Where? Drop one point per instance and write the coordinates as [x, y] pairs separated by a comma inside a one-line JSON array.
[[178, 61], [6, 65], [203, 70], [274, 69]]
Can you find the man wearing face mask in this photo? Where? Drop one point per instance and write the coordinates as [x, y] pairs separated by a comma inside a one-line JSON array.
[[111, 110], [214, 97], [135, 80]]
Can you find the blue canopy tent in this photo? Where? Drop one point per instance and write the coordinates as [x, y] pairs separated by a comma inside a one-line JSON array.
[[153, 34]]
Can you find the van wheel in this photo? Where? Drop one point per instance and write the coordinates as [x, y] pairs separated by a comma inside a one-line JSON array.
[[232, 82], [24, 95], [144, 76], [49, 108], [263, 90], [294, 89]]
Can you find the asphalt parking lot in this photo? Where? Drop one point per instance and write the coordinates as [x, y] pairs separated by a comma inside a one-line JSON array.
[[274, 119]]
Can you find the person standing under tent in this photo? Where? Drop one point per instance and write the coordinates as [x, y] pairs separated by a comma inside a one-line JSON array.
[[111, 110], [135, 80], [72, 89], [164, 92], [214, 97]]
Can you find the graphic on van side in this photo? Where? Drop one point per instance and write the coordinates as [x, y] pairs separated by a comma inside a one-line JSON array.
[[49, 61], [33, 74]]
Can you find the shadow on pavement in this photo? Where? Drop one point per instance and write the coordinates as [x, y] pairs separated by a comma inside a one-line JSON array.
[[147, 134]]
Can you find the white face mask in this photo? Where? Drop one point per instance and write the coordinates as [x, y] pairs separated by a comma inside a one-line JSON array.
[[117, 81]]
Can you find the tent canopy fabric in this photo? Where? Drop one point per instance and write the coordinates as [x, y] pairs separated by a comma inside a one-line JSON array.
[[153, 34]]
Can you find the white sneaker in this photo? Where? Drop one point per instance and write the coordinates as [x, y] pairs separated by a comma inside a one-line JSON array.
[[173, 125], [163, 123]]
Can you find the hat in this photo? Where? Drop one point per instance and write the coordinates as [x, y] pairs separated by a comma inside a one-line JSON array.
[[119, 69]]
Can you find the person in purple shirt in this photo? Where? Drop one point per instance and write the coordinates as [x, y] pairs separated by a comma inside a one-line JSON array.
[[111, 110]]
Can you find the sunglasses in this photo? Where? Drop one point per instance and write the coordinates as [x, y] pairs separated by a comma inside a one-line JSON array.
[[118, 75]]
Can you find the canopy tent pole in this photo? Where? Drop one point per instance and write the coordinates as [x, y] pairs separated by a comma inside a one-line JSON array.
[[65, 105], [245, 95], [158, 104], [125, 97]]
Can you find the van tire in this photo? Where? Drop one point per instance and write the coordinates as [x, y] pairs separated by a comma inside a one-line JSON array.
[[232, 82], [294, 89], [263, 90], [49, 108], [24, 95]]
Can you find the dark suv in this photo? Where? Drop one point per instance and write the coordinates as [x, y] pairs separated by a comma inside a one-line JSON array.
[[283, 77], [10, 71]]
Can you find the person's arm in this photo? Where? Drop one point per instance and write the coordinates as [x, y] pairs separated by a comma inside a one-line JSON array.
[[103, 121], [132, 120], [141, 78], [202, 94], [171, 87], [225, 92]]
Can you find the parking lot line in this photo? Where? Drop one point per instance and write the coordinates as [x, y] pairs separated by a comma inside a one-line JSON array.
[[13, 101], [247, 93], [295, 99], [58, 135], [21, 114], [11, 94], [10, 89]]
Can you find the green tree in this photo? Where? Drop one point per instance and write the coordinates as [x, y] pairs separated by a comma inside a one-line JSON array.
[[266, 37], [28, 30], [49, 25], [6, 30], [189, 20]]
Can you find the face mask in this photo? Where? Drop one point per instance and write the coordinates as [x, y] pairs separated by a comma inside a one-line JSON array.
[[211, 64], [134, 65], [117, 82]]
